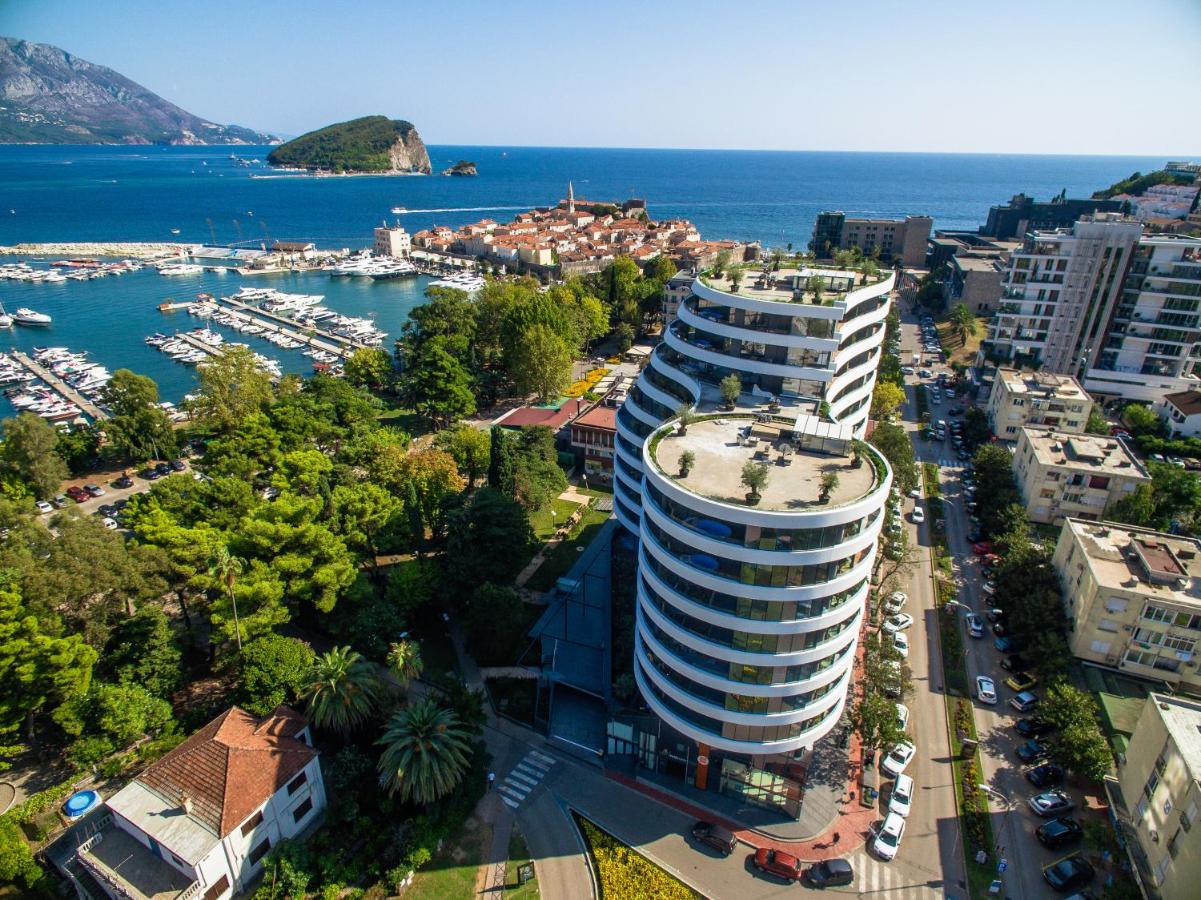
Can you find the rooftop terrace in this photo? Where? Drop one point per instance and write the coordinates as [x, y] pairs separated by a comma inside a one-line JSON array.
[[1163, 566], [793, 285], [796, 463]]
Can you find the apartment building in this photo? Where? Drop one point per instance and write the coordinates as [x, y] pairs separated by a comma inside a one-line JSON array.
[[1037, 399], [1076, 476], [1156, 797], [1023, 214], [393, 241], [898, 240], [1134, 598], [1103, 301], [1181, 413]]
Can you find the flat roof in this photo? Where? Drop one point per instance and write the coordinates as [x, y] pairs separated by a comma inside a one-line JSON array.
[[1063, 387], [721, 449], [1089, 453], [780, 285], [165, 821], [529, 416], [1182, 718], [1160, 566]]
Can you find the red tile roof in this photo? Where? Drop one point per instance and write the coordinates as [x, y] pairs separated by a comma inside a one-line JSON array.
[[232, 765], [553, 419], [600, 416]]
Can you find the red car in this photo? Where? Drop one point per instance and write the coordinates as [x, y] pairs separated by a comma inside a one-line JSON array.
[[982, 548], [78, 494], [778, 863]]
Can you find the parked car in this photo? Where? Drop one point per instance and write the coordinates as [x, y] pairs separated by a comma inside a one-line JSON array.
[[1009, 644], [150, 474], [778, 863], [95, 490], [986, 691], [123, 482], [1033, 727], [896, 602], [900, 640], [1046, 775], [1014, 663], [1031, 751], [896, 623], [983, 548], [888, 838], [716, 836], [1059, 832], [917, 515], [994, 614], [110, 523], [829, 873], [163, 468], [1051, 803], [78, 494], [1069, 873], [901, 799], [178, 465], [900, 756], [975, 625], [1022, 681], [44, 507], [1024, 702], [902, 716]]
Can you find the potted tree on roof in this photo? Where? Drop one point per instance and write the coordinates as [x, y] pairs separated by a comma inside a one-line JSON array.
[[730, 387], [858, 451], [754, 476], [828, 486], [687, 461], [686, 417]]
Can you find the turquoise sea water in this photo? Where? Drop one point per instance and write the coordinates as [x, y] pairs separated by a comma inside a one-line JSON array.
[[51, 193]]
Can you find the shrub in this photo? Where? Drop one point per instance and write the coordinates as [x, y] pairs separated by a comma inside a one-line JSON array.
[[625, 874]]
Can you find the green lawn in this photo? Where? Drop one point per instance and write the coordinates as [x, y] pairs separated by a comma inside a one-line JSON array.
[[560, 560], [602, 491], [450, 875], [404, 419], [518, 854], [542, 522]]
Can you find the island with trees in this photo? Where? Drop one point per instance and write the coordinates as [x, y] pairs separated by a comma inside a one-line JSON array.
[[371, 144]]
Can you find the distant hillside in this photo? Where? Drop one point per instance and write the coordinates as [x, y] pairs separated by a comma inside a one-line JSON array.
[[48, 96], [1138, 182], [369, 144]]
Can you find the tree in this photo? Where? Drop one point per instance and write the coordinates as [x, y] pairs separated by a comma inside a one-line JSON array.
[[731, 388], [1078, 743], [721, 262], [976, 430], [79, 448], [816, 285], [273, 669], [496, 623], [119, 714], [995, 487], [962, 321], [471, 449], [735, 280], [39, 665], [882, 669], [539, 362], [687, 461], [369, 367], [1097, 422], [623, 334], [16, 856], [886, 399], [1136, 508], [142, 650], [874, 718], [755, 477], [363, 511], [425, 752], [232, 388], [537, 476], [1143, 421], [404, 661], [829, 484], [685, 415], [893, 443], [438, 385], [225, 568], [138, 426], [489, 539], [29, 454], [342, 692]]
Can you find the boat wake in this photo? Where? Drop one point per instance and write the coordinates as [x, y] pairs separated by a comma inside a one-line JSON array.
[[459, 209]]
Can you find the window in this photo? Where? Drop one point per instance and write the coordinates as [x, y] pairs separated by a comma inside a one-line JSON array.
[[259, 851], [1173, 849], [217, 889], [252, 823], [1156, 614], [1188, 816], [1110, 625], [1116, 604], [1100, 647], [297, 783], [303, 810]]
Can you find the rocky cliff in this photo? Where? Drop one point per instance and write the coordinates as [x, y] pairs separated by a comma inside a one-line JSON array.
[[51, 97], [462, 167], [370, 144]]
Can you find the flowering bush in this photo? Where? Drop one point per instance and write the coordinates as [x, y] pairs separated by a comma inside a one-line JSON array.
[[625, 875]]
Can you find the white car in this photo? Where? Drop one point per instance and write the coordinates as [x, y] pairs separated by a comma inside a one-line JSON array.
[[916, 493], [44, 507], [110, 524], [902, 796], [900, 756], [918, 516], [888, 838], [986, 690], [896, 602], [896, 623], [900, 640], [902, 716]]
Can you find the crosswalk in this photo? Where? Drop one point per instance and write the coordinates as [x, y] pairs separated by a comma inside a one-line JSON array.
[[524, 778], [949, 463], [896, 880]]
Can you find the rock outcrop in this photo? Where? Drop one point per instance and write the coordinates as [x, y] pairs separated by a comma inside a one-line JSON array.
[[49, 96], [462, 167], [372, 144]]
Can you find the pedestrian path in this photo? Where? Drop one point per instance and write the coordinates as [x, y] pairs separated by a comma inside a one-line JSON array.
[[524, 778], [949, 463], [895, 880]]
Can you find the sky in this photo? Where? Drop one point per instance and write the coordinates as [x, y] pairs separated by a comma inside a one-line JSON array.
[[1107, 77]]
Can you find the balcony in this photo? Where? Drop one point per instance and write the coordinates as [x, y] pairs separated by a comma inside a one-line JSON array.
[[127, 870]]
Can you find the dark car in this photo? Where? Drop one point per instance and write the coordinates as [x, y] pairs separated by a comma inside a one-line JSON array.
[[1046, 775], [1059, 832], [778, 863], [1009, 644], [1031, 751], [178, 465], [123, 482], [829, 873], [106, 509], [1033, 727], [1068, 874], [149, 474], [715, 836], [1015, 663], [163, 468]]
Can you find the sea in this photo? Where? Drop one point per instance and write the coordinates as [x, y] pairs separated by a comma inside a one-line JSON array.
[[227, 195]]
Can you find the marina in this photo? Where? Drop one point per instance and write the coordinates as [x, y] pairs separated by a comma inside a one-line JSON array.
[[72, 397]]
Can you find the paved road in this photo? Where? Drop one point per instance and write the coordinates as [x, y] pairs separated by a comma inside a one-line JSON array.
[[111, 494], [1013, 823]]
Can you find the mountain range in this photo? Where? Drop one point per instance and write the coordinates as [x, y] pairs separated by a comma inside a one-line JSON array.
[[49, 96]]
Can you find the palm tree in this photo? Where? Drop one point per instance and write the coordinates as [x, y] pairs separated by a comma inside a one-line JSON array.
[[829, 484], [404, 661], [963, 321], [226, 568], [343, 690], [425, 752]]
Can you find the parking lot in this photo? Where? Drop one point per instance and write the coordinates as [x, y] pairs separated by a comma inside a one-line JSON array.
[[116, 491]]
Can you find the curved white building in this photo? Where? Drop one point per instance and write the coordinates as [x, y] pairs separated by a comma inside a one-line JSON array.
[[748, 613]]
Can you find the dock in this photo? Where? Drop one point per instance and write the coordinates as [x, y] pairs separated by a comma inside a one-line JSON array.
[[63, 389], [340, 346], [208, 348]]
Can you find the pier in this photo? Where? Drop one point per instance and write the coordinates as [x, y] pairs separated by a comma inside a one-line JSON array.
[[63, 389], [208, 348], [331, 343]]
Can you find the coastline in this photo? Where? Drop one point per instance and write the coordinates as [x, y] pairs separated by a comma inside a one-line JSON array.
[[133, 249]]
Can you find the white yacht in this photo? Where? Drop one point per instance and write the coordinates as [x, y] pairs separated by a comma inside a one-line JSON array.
[[6, 321], [26, 316], [180, 269]]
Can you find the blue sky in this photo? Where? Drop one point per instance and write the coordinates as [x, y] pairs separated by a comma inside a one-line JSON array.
[[1054, 76]]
